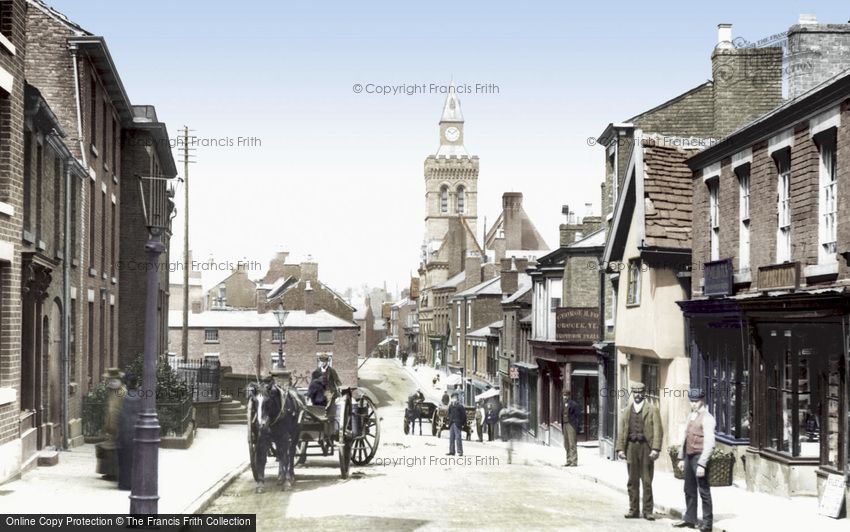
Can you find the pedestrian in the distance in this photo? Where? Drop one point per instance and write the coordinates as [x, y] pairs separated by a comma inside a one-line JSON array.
[[456, 418], [696, 449], [125, 443], [639, 444], [491, 417], [571, 418], [445, 400]]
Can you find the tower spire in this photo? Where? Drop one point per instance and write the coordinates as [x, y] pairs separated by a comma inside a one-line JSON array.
[[451, 109]]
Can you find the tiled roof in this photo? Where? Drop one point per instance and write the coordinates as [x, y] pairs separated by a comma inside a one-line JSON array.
[[490, 287], [668, 186]]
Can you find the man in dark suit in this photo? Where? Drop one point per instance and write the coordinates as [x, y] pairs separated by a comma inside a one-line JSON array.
[[570, 423], [456, 418], [639, 444]]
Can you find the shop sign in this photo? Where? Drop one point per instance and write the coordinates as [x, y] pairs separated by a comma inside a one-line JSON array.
[[832, 499], [784, 276], [577, 324], [717, 278]]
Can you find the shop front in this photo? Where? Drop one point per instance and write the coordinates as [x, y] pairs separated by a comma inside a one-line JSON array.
[[525, 392], [775, 370]]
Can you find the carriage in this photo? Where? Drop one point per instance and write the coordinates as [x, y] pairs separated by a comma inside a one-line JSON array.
[[419, 411], [357, 442], [439, 422]]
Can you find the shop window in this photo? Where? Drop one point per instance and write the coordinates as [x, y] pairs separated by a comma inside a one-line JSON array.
[[798, 357], [723, 374]]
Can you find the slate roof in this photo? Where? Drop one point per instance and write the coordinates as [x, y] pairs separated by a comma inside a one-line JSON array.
[[490, 287], [452, 282], [486, 331], [668, 190]]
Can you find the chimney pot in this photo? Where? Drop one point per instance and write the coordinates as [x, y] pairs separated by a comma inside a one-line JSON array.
[[724, 36]]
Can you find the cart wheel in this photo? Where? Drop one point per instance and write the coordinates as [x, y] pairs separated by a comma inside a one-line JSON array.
[[366, 442], [406, 426], [345, 440], [434, 421]]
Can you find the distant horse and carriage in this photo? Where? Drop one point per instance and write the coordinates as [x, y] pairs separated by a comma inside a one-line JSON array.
[[281, 424]]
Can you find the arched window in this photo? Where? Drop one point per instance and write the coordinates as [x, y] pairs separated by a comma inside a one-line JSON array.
[[461, 199], [444, 199]]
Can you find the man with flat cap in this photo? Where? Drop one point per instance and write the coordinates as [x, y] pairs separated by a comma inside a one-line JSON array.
[[697, 446], [639, 444]]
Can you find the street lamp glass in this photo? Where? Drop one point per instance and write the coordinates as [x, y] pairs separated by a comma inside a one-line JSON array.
[[281, 315]]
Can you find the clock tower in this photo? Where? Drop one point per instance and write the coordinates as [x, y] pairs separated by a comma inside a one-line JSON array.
[[451, 182]]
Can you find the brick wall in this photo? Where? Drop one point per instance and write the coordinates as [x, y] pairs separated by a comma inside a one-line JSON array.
[[817, 52], [11, 171], [242, 348], [763, 206], [581, 281]]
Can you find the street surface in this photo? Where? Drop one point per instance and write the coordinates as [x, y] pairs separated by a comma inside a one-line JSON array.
[[421, 491]]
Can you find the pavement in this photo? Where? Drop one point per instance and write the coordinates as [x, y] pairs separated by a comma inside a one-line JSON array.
[[188, 479], [735, 508]]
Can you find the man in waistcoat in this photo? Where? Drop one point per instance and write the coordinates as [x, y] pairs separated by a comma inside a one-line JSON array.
[[696, 449], [639, 444]]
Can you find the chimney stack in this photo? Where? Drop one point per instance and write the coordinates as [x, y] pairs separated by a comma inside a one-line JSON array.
[[816, 53], [509, 277], [747, 82], [512, 219], [472, 267], [309, 299]]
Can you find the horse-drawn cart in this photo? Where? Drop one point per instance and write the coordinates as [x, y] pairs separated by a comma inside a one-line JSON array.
[[439, 422], [417, 410], [349, 428]]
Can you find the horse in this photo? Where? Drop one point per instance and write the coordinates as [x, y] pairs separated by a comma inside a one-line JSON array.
[[278, 422]]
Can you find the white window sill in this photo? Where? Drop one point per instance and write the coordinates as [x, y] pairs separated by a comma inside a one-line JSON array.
[[8, 395], [742, 277], [7, 209], [7, 44], [820, 270]]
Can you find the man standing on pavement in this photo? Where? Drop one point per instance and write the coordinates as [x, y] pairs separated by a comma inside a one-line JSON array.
[[696, 449], [571, 417], [639, 443], [456, 418]]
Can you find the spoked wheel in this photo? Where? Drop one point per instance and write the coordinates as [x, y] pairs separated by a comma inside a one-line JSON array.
[[406, 425], [368, 433], [252, 441], [434, 421]]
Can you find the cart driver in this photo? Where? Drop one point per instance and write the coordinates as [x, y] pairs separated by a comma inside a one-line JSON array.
[[329, 378]]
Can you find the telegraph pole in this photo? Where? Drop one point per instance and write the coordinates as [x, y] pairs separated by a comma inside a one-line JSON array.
[[186, 160]]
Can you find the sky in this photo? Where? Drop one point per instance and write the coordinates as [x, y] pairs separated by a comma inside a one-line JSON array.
[[290, 156]]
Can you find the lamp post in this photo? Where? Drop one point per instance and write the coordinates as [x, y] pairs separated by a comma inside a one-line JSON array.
[[158, 211], [281, 315]]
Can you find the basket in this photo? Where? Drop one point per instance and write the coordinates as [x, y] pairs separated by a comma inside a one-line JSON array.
[[721, 466]]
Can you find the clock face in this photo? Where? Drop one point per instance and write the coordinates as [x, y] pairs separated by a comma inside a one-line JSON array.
[[452, 134]]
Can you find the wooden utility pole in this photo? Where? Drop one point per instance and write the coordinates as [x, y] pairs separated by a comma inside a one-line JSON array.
[[186, 265]]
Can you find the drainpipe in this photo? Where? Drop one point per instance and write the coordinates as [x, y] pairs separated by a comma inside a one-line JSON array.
[[66, 296]]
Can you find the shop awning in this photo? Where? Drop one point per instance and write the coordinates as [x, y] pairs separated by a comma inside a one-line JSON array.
[[585, 373]]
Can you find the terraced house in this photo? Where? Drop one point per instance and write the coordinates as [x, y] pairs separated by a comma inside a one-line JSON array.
[[770, 311]]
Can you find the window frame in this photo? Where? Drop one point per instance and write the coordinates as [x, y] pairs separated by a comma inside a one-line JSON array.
[[444, 199], [782, 160], [460, 200], [633, 283], [827, 196], [319, 339], [744, 177], [713, 186], [211, 335]]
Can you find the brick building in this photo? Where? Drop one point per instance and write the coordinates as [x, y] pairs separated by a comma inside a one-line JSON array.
[[365, 319], [646, 199], [770, 311], [12, 54], [297, 286], [248, 342]]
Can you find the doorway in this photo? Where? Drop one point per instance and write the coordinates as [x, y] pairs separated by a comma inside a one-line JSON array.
[[584, 385]]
